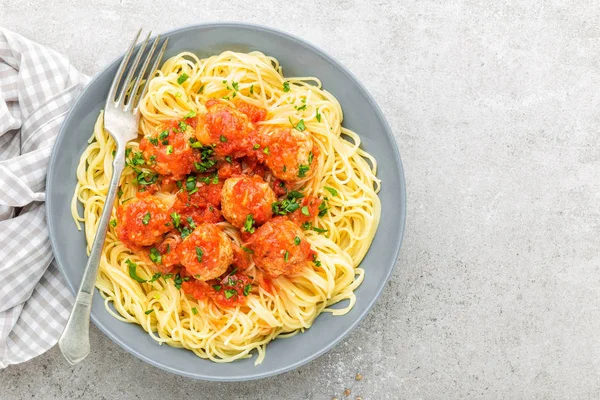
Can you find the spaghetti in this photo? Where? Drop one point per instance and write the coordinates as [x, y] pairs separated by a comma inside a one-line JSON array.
[[231, 154]]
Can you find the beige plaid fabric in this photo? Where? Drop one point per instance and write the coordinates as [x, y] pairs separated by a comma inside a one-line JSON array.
[[37, 88]]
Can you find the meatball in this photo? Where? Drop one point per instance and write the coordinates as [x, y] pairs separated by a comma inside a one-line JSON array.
[[169, 152], [229, 130], [142, 222], [280, 248], [206, 253], [244, 196], [288, 153]]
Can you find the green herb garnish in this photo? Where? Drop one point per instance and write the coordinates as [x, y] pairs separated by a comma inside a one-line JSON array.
[[182, 78], [155, 256], [132, 271], [249, 225], [302, 170], [331, 190]]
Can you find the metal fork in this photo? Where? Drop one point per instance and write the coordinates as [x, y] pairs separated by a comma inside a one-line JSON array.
[[121, 115]]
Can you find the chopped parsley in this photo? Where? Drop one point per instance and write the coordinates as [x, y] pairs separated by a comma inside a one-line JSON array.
[[256, 147], [307, 225], [286, 256], [199, 254], [191, 114], [287, 205], [113, 223], [310, 157], [206, 152], [229, 293], [266, 150], [318, 115], [222, 138], [146, 219], [249, 225], [152, 140], [169, 149], [194, 310], [217, 287], [247, 289], [297, 240], [114, 153], [215, 179], [302, 107], [247, 250], [300, 126], [165, 142], [302, 170], [163, 135], [286, 86], [182, 126], [323, 208], [252, 89], [190, 184], [190, 222], [331, 190], [147, 312], [137, 159], [228, 159], [178, 281], [185, 232], [305, 211], [155, 256], [176, 219], [152, 159], [146, 178], [120, 193], [132, 271], [195, 144], [234, 85], [155, 277], [182, 78], [201, 89]]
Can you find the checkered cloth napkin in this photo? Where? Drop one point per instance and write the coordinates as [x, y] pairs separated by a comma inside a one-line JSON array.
[[37, 88]]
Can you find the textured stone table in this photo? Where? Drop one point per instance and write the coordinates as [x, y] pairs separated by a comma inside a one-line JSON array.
[[496, 110]]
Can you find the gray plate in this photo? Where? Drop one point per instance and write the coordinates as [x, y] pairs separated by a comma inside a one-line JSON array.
[[361, 115]]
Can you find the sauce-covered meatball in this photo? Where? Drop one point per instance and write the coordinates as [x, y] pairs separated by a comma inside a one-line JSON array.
[[280, 248], [244, 196], [206, 253], [228, 129], [288, 153], [142, 222], [168, 152]]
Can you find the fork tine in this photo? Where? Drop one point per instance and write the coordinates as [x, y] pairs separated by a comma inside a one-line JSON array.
[[152, 71], [115, 83], [134, 102], [121, 99]]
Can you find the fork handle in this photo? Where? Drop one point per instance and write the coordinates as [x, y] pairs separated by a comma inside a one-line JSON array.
[[74, 342]]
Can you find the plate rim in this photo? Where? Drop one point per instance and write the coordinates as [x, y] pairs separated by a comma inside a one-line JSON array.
[[396, 251]]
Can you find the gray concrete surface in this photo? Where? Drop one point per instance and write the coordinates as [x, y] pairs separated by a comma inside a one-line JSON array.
[[496, 109]]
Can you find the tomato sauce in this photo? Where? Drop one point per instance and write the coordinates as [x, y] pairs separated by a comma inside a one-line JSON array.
[[312, 206], [255, 114], [228, 291], [231, 145]]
